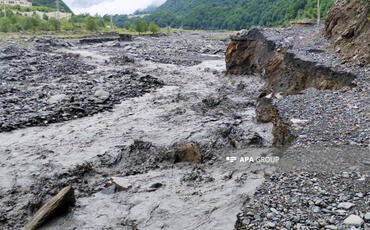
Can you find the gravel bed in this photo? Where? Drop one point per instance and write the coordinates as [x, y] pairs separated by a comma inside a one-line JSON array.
[[309, 200], [39, 88]]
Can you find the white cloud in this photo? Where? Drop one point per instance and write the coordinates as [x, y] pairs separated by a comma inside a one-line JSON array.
[[110, 6]]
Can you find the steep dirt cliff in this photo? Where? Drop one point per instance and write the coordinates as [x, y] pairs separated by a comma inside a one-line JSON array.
[[299, 70], [288, 59], [347, 26]]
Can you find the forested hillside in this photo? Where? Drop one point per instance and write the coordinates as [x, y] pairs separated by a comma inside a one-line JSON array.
[[52, 4], [234, 14]]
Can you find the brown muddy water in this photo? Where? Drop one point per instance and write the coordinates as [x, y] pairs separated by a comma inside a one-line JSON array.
[[136, 144]]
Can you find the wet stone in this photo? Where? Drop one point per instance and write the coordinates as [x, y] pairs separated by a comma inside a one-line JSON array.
[[367, 217], [353, 220], [346, 205]]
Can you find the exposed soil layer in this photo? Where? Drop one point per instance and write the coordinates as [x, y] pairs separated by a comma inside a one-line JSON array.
[[303, 78], [319, 108], [348, 27], [290, 59]]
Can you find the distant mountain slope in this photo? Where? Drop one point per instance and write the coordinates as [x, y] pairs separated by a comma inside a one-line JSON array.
[[52, 4], [186, 6], [148, 10], [235, 14]]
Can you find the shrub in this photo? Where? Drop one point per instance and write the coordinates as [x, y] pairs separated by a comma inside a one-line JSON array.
[[127, 25], [153, 28], [140, 26], [91, 24], [4, 25]]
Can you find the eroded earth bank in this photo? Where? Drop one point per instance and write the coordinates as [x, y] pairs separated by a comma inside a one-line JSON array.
[[141, 130]]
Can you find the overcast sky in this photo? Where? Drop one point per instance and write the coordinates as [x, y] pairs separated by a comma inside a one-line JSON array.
[[110, 6]]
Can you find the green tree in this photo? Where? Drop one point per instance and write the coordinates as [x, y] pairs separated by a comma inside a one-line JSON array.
[[91, 24], [234, 14], [66, 25], [153, 28], [4, 25], [127, 25], [141, 26], [45, 17], [106, 18], [54, 24]]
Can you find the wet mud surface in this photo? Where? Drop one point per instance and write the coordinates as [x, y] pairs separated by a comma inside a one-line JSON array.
[[146, 109], [139, 139]]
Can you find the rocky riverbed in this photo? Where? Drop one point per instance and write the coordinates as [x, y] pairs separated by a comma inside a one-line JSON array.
[[152, 134]]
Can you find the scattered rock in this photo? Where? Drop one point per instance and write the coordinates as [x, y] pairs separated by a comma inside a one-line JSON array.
[[116, 44], [155, 187], [345, 175], [269, 171], [346, 205], [367, 217], [56, 99], [265, 111], [187, 153], [121, 184], [101, 95], [353, 220]]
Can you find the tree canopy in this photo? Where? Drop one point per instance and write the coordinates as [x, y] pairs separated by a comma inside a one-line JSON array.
[[232, 14]]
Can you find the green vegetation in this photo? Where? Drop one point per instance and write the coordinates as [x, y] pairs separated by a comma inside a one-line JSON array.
[[15, 22], [51, 4], [91, 24], [153, 28], [230, 14], [127, 25], [20, 19], [141, 26], [28, 8]]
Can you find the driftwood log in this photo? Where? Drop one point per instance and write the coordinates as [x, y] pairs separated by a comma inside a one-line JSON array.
[[58, 204]]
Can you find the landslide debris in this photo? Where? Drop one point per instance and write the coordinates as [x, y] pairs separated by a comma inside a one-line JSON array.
[[310, 96], [347, 25]]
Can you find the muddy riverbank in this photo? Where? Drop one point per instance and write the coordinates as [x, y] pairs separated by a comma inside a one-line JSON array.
[[141, 137], [156, 115]]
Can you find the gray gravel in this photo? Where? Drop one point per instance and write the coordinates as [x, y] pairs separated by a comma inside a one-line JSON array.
[[327, 118], [308, 200], [43, 87]]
